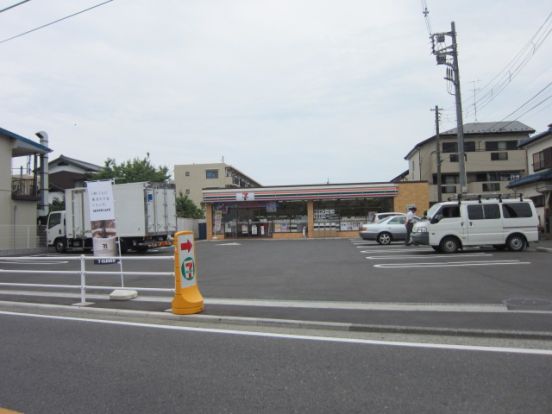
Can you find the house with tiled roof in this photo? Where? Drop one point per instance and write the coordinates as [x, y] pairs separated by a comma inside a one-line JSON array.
[[66, 172], [491, 154]]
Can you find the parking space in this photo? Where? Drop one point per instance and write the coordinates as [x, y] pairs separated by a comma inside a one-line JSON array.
[[400, 256]]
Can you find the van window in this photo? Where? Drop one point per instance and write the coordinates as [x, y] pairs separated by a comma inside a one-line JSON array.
[[450, 211], [513, 210], [483, 212], [54, 220]]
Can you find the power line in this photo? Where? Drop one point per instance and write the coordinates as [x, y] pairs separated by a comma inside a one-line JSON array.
[[526, 102], [14, 5], [55, 21], [425, 12], [529, 110]]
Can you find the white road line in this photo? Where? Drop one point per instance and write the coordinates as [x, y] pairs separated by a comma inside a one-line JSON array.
[[448, 347], [423, 249], [423, 256], [31, 262], [451, 264]]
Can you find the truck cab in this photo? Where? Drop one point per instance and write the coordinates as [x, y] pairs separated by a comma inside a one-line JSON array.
[[56, 233]]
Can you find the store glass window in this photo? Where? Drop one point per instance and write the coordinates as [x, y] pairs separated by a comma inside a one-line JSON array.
[[347, 215]]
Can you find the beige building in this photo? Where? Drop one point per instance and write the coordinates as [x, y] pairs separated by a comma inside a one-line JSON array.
[[537, 184], [492, 159], [191, 179], [18, 193]]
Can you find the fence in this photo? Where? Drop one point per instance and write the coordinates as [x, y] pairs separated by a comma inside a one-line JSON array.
[[82, 272]]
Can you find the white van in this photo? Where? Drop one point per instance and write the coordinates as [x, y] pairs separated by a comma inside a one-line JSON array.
[[511, 223]]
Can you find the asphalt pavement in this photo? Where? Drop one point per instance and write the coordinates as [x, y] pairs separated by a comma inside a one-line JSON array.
[[344, 284]]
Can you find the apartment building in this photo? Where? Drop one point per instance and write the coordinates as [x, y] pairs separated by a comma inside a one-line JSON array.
[[537, 184], [492, 158], [19, 192], [191, 179]]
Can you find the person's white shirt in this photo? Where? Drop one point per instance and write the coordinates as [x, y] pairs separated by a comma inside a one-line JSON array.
[[409, 216]]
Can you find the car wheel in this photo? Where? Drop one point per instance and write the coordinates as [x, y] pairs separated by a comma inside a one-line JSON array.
[[60, 245], [516, 243], [384, 238], [449, 245]]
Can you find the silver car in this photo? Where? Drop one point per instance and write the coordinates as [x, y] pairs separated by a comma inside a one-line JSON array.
[[388, 230]]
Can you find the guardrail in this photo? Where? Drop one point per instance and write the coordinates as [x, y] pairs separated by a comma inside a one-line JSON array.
[[83, 272]]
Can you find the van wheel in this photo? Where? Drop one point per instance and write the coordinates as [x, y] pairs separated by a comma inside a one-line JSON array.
[[436, 248], [449, 245], [60, 245], [516, 243], [384, 238]]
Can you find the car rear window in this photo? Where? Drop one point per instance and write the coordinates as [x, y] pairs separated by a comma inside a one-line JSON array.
[[514, 210]]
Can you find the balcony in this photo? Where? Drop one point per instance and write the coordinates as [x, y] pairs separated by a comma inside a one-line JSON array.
[[24, 188]]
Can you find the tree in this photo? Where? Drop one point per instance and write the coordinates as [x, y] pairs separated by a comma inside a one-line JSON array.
[[187, 208], [132, 171], [57, 205]]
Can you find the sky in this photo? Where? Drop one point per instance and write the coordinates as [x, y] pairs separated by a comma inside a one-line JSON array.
[[286, 91]]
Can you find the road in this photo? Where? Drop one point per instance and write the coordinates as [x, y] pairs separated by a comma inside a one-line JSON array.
[[54, 364]]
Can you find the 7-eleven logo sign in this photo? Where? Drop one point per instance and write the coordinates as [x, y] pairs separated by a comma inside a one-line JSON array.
[[188, 268]]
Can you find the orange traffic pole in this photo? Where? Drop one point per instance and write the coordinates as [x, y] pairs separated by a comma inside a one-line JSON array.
[[187, 297]]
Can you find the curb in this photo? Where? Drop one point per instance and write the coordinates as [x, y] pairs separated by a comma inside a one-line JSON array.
[[544, 249], [287, 323]]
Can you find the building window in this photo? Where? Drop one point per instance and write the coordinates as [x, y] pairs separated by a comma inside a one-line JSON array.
[[450, 147], [448, 189], [187, 173], [542, 159], [497, 176], [491, 187], [538, 201], [500, 145], [187, 191], [453, 157], [499, 156], [469, 146], [211, 174]]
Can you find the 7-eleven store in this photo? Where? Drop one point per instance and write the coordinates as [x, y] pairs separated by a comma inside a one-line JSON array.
[[291, 212]]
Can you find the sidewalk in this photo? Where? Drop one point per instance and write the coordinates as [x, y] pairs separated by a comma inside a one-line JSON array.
[[542, 246]]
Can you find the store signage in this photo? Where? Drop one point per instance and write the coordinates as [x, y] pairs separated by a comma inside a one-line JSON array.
[[245, 196], [102, 221], [186, 260]]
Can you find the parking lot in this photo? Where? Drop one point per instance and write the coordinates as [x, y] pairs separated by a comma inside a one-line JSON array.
[[330, 280]]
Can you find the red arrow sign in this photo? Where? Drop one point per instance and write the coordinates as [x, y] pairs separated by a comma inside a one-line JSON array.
[[186, 246]]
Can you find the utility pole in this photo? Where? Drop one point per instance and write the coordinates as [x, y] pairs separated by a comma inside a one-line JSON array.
[[442, 54], [438, 152]]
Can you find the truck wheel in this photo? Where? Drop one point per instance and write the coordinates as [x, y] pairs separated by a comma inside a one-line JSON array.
[[449, 245], [516, 243], [60, 245], [384, 238]]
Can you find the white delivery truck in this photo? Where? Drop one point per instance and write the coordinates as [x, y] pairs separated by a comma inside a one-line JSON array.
[[501, 222], [145, 217]]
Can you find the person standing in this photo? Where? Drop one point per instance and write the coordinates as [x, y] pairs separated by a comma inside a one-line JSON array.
[[409, 224]]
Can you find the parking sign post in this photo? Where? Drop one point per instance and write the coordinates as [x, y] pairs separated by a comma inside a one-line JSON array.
[[187, 297]]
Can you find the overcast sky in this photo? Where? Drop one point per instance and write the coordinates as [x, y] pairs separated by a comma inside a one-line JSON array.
[[287, 91]]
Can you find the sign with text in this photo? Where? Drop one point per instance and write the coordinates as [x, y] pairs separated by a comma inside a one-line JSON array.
[[102, 220], [245, 196]]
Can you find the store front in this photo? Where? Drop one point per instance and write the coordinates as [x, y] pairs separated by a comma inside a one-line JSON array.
[[301, 211]]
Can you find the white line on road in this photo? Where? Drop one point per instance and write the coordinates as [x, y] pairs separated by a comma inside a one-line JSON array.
[[450, 264], [405, 250], [33, 262], [423, 256], [506, 350]]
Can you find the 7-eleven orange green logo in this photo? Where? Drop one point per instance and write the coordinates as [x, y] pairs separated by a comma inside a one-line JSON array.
[[188, 268]]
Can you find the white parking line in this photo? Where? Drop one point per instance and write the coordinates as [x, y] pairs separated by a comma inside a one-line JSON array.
[[451, 264], [380, 251], [423, 256]]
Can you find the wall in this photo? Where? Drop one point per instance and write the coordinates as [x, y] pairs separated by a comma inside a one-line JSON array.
[[412, 193]]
